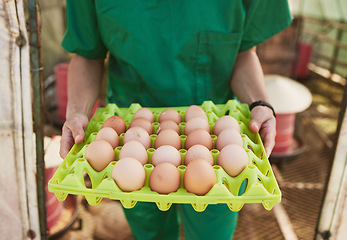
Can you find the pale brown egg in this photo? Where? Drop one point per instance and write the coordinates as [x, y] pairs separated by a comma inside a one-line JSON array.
[[117, 123], [225, 122], [137, 134], [198, 151], [199, 136], [170, 114], [134, 149], [168, 137], [165, 178], [99, 154], [196, 123], [233, 159], [169, 124], [142, 122], [166, 153], [228, 136], [108, 134], [194, 111], [144, 113], [199, 177], [129, 174]]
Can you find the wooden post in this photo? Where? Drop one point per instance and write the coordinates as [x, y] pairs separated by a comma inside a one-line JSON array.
[[36, 77]]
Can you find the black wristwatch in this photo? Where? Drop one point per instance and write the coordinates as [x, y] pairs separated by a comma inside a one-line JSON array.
[[261, 103]]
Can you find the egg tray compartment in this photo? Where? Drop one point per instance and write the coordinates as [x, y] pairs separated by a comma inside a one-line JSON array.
[[261, 185]]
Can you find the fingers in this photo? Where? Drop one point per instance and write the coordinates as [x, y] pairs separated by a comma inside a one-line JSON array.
[[264, 123], [259, 115], [268, 134], [72, 133], [66, 142], [77, 127]]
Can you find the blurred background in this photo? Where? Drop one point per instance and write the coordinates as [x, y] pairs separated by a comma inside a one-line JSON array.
[[308, 60]]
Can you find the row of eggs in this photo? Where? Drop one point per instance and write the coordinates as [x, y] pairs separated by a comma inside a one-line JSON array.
[[199, 176]]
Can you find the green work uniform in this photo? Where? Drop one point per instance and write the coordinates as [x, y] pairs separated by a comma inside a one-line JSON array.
[[172, 53]]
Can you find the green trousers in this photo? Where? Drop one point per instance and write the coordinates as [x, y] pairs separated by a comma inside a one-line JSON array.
[[148, 222]]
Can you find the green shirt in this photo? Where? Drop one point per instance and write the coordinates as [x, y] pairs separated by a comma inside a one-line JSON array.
[[170, 52]]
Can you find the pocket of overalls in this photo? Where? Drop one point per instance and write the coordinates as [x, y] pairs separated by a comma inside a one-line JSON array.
[[217, 52]]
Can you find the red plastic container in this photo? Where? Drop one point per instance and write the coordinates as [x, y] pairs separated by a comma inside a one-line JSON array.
[[54, 207], [302, 60], [285, 125], [60, 72]]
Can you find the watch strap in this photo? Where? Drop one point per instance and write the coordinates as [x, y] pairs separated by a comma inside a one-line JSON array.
[[262, 103]]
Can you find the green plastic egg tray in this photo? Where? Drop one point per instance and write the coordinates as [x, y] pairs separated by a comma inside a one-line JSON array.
[[261, 185]]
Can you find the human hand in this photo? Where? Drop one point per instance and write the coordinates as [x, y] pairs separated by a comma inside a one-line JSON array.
[[72, 133], [264, 122]]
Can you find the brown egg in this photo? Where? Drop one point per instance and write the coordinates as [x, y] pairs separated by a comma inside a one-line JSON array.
[[168, 137], [144, 113], [108, 134], [142, 122], [198, 151], [169, 124], [129, 174], [228, 136], [199, 177], [117, 123], [134, 149], [137, 134], [99, 154], [170, 114], [225, 122], [196, 123], [194, 111], [166, 153], [199, 136], [233, 159], [165, 178]]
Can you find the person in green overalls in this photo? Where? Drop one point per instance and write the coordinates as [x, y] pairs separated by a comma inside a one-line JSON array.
[[164, 53]]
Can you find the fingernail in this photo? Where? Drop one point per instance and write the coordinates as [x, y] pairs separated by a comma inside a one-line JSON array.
[[78, 138], [256, 126], [268, 153]]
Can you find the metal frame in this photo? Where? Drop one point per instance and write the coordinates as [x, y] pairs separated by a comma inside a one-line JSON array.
[[320, 36]]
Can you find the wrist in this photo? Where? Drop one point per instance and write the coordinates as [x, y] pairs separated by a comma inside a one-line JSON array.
[[264, 104], [82, 108], [73, 114]]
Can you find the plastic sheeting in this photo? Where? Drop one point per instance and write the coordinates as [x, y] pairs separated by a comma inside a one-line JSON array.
[[321, 9], [18, 201], [53, 24], [324, 28]]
